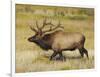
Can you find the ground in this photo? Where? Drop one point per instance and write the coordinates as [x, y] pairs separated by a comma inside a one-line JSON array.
[[34, 61]]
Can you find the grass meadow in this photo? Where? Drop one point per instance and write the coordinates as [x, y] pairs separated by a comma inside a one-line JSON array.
[[31, 58]]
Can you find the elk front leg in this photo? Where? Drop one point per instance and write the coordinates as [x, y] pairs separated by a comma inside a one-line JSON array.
[[53, 55]]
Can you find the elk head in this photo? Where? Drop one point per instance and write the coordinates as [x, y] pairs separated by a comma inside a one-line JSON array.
[[39, 33]]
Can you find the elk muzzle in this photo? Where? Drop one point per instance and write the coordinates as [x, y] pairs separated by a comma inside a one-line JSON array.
[[31, 39]]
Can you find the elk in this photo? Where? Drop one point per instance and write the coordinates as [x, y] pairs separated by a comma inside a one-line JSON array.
[[57, 40]]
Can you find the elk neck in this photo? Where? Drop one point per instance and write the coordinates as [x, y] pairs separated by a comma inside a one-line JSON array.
[[42, 44]]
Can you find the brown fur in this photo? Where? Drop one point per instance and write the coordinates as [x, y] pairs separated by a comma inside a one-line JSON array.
[[59, 41]]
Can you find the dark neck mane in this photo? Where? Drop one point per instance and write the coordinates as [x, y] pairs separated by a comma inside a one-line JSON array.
[[42, 45], [46, 41]]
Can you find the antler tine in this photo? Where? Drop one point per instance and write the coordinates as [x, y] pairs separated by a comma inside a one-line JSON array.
[[52, 29], [37, 25], [48, 30], [44, 23], [33, 29], [59, 25]]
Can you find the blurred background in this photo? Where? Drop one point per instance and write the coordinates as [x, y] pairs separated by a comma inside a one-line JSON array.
[[31, 58]]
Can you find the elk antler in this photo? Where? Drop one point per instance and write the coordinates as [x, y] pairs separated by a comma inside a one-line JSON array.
[[52, 29], [45, 23], [40, 29], [37, 25], [33, 29]]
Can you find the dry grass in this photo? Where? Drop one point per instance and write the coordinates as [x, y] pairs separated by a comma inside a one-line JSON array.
[[33, 61], [31, 58]]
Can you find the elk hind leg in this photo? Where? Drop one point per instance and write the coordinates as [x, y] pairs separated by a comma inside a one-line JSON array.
[[85, 52], [81, 52]]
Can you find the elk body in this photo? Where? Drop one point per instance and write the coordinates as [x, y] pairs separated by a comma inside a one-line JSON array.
[[58, 40]]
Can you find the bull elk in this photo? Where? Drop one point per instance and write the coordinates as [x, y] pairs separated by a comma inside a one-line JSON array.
[[58, 40]]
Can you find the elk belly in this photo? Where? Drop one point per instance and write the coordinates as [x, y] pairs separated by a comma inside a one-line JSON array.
[[68, 43]]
